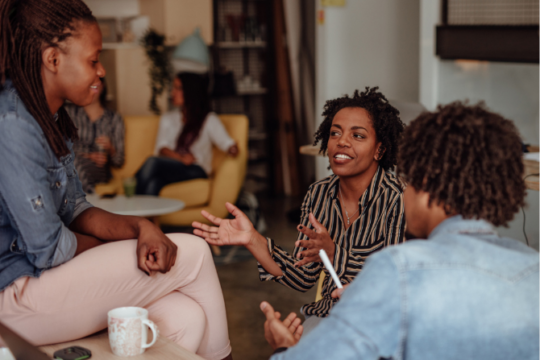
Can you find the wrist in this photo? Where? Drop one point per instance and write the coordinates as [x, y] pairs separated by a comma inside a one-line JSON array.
[[140, 225], [256, 240]]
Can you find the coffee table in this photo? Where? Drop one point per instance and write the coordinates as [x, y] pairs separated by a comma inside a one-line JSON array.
[[98, 344], [138, 205]]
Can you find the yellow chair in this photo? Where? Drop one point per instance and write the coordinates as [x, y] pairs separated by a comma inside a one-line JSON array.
[[319, 286], [210, 194]]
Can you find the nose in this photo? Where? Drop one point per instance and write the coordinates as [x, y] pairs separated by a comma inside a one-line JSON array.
[[342, 142], [100, 70]]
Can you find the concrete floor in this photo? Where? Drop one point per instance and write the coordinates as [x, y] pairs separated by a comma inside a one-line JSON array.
[[243, 291]]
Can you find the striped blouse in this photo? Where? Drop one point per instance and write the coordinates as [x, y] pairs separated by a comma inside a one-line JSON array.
[[381, 223], [110, 124]]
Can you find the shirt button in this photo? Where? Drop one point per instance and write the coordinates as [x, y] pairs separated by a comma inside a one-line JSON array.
[[38, 202], [58, 184], [65, 201]]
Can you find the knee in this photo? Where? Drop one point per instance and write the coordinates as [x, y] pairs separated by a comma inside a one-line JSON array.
[[148, 167], [191, 244]]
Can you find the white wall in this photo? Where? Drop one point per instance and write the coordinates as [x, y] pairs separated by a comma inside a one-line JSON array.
[[367, 43], [510, 89]]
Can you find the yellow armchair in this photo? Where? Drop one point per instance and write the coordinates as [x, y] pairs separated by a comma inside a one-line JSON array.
[[210, 194]]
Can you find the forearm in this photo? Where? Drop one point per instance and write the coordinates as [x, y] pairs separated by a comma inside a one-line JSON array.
[[85, 242], [107, 226], [259, 249], [169, 153]]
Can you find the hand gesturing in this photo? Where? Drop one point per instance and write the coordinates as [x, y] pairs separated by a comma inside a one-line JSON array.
[[238, 231], [278, 333], [318, 239]]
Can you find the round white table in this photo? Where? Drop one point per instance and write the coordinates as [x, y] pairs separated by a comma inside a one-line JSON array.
[[137, 205]]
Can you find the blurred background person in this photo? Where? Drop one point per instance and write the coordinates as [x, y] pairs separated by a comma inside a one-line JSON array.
[[101, 140], [185, 138]]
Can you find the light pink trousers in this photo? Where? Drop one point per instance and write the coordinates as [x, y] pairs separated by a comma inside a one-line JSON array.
[[71, 301]]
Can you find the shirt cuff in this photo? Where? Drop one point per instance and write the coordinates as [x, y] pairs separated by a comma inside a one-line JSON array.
[[265, 275], [65, 248], [80, 205]]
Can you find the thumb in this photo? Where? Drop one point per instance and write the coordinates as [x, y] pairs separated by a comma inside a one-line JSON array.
[[317, 225], [268, 310]]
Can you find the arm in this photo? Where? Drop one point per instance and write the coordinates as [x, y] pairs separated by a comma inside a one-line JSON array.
[[366, 323], [26, 189], [219, 136], [395, 229], [186, 159]]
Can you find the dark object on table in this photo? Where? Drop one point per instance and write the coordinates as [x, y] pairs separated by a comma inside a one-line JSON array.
[[73, 353], [108, 196]]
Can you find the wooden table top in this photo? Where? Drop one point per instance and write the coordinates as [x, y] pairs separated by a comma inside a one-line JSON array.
[[163, 349]]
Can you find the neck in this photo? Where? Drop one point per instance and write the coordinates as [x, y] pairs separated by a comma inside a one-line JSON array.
[[54, 100], [94, 111], [352, 187]]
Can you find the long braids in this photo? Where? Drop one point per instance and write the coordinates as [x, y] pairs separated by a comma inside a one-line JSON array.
[[26, 27]]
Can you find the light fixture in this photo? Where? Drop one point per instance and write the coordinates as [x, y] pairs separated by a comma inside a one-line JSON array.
[[191, 54]]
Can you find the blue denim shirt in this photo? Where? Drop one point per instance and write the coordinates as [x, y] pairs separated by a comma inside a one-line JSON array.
[[39, 195], [463, 294]]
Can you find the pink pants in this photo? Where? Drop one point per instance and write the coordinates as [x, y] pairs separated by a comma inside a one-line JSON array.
[[71, 301]]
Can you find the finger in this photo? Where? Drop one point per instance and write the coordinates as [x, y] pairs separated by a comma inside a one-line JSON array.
[[277, 315], [213, 219], [307, 231], [307, 260], [141, 254], [205, 227], [201, 233], [308, 253], [294, 325], [336, 294], [316, 224], [268, 310], [306, 244], [236, 212], [298, 332], [289, 319]]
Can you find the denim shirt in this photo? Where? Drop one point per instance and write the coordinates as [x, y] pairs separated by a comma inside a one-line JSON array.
[[463, 294], [39, 195]]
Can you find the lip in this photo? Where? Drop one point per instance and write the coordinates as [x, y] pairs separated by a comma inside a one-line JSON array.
[[341, 160]]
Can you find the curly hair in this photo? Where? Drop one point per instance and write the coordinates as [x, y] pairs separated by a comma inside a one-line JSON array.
[[466, 158], [384, 117]]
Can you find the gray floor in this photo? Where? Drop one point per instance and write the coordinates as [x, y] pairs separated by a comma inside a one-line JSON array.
[[244, 291]]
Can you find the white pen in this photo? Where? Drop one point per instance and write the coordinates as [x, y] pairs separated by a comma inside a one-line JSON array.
[[330, 268]]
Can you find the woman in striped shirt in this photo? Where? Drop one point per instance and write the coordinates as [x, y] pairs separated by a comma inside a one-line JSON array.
[[351, 214]]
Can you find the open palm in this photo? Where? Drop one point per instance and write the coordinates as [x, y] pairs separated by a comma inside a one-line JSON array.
[[237, 231]]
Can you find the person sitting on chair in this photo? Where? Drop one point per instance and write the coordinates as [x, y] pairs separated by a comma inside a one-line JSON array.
[[100, 145], [466, 292], [351, 214], [185, 138]]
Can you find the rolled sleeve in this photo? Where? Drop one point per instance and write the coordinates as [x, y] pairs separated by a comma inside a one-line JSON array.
[[218, 133], [65, 248]]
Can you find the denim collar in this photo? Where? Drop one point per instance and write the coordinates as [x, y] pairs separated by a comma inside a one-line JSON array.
[[458, 225]]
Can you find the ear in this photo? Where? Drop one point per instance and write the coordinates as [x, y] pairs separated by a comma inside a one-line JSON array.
[[50, 59], [380, 152]]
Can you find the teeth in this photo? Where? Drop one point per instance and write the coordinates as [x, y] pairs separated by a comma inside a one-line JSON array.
[[342, 156], [94, 86]]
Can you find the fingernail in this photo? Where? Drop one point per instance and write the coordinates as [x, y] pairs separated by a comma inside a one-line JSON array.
[[301, 227], [263, 306]]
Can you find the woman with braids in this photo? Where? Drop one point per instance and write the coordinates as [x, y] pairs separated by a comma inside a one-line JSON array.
[[185, 138], [351, 214], [466, 292], [61, 266]]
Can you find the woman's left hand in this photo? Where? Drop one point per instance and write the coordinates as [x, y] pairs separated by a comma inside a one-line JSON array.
[[318, 239], [155, 251], [105, 143]]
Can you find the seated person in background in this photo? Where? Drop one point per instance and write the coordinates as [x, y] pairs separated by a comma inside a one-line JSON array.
[[100, 146], [351, 214], [466, 293], [185, 138]]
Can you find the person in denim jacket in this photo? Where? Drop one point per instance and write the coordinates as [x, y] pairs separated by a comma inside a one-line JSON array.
[[465, 293], [61, 266]]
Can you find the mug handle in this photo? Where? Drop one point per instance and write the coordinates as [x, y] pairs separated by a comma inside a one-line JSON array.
[[154, 329]]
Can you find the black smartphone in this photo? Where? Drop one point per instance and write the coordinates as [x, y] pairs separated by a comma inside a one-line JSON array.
[[108, 196], [73, 353]]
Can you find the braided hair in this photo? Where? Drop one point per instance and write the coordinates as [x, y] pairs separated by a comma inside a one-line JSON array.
[[26, 27], [384, 117], [467, 159]]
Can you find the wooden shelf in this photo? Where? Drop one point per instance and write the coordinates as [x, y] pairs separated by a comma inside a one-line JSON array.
[[257, 136], [260, 91], [240, 44]]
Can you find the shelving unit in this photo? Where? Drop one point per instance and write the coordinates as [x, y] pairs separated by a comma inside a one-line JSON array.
[[248, 54]]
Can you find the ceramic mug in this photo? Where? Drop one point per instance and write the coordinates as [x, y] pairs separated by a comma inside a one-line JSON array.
[[128, 331]]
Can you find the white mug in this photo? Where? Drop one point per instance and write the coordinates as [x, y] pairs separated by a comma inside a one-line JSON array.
[[128, 332]]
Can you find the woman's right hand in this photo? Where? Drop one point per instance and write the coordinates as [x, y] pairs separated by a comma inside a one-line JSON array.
[[238, 231]]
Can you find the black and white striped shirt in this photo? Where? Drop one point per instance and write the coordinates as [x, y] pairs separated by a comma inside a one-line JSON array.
[[381, 223]]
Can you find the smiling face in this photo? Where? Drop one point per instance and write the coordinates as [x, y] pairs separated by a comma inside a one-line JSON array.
[[79, 69], [352, 145]]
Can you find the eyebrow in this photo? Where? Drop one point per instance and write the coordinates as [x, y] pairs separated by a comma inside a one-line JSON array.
[[353, 128]]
